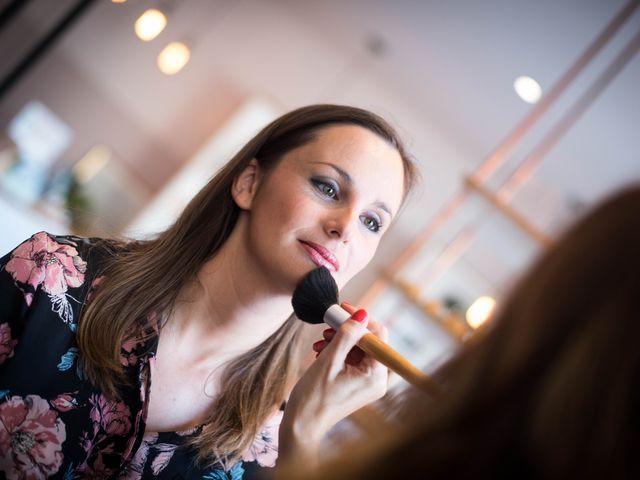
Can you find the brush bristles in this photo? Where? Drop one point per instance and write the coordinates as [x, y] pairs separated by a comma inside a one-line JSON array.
[[315, 293]]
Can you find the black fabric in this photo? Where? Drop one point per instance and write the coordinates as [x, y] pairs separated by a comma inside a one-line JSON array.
[[53, 422]]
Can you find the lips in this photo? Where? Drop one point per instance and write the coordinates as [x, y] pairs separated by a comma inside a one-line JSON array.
[[321, 256]]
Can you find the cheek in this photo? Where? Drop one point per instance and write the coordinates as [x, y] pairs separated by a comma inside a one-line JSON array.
[[361, 255], [286, 212], [367, 251]]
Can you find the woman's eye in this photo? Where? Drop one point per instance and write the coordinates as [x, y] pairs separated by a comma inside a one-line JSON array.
[[371, 223], [327, 189]]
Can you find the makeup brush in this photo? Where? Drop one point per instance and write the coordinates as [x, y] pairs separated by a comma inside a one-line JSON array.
[[315, 300]]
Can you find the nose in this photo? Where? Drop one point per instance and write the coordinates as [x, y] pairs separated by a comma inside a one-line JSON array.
[[340, 224]]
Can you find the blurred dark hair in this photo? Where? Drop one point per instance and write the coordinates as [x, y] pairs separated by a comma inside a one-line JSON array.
[[551, 388]]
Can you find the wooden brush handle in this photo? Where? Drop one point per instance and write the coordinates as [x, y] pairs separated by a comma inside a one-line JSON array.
[[396, 362], [335, 316]]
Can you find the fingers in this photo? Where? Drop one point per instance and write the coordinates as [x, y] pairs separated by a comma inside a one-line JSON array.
[[348, 307], [354, 357], [319, 346], [378, 330], [328, 334], [356, 354], [342, 380], [344, 341], [374, 327]]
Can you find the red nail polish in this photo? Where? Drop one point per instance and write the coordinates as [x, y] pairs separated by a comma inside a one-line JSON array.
[[359, 315], [318, 344]]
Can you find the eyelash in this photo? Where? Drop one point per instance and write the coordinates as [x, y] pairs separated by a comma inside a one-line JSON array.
[[322, 185], [377, 226]]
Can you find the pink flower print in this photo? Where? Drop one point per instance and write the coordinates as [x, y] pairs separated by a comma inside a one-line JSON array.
[[161, 453], [128, 349], [142, 413], [43, 261], [65, 402], [31, 437], [97, 282], [153, 322], [97, 468], [114, 418], [134, 469], [264, 448], [165, 452], [94, 287], [7, 343], [144, 374]]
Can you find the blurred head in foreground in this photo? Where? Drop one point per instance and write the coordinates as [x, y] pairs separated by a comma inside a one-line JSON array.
[[551, 388]]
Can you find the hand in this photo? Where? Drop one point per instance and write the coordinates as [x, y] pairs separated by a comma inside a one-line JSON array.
[[356, 354], [342, 380]]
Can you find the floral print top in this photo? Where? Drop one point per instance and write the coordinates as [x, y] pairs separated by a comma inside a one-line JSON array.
[[56, 424]]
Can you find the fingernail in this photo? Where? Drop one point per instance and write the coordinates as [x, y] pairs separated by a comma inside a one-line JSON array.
[[359, 315], [329, 330], [318, 344]]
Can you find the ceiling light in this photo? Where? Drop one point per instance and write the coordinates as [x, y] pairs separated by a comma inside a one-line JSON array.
[[173, 57], [118, 1], [527, 89], [149, 25], [480, 311]]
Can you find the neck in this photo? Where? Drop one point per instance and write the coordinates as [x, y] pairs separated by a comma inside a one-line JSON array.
[[230, 307]]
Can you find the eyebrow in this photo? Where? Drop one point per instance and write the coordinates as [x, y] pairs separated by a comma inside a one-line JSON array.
[[349, 181]]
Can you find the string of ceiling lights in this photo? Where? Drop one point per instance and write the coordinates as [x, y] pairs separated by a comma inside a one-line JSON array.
[[175, 55]]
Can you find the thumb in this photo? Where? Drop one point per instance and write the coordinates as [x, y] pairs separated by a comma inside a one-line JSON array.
[[346, 337]]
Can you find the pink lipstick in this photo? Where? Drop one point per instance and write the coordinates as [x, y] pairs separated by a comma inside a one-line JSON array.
[[321, 256]]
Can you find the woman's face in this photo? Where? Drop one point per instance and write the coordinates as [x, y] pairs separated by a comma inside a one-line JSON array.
[[325, 203]]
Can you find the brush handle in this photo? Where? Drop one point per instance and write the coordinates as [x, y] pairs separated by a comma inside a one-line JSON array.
[[335, 316]]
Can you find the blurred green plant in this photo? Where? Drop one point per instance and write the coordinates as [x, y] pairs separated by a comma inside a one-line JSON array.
[[78, 205]]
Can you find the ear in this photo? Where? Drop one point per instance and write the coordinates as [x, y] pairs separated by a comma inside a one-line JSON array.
[[245, 185]]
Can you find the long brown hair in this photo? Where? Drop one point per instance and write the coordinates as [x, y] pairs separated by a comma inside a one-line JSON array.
[[551, 388], [147, 276]]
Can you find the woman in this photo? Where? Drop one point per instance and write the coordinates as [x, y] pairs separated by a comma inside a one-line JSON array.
[[550, 389], [168, 357]]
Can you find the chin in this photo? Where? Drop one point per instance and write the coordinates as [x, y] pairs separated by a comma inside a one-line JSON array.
[[293, 278], [340, 283], [303, 272]]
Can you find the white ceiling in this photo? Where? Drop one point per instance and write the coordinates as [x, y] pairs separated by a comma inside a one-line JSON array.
[[443, 77]]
